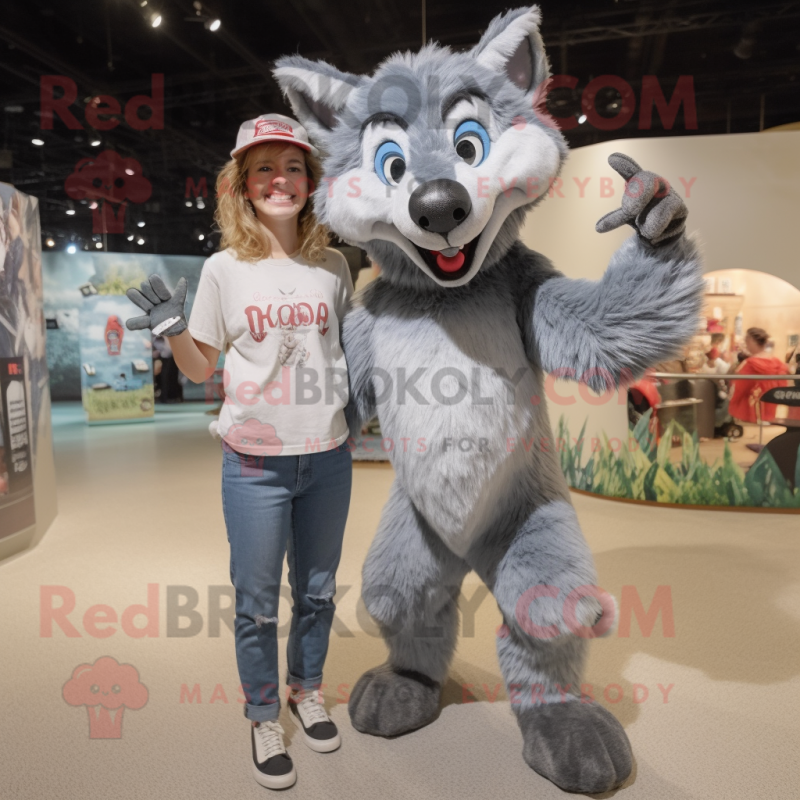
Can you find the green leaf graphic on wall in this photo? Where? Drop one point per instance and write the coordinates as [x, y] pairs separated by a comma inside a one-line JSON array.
[[640, 469]]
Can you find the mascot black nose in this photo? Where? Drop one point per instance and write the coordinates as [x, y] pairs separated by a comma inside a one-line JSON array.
[[440, 205]]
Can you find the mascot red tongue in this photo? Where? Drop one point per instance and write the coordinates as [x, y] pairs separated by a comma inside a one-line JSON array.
[[450, 264]]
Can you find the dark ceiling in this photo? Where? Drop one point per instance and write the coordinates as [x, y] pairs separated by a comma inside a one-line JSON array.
[[743, 59]]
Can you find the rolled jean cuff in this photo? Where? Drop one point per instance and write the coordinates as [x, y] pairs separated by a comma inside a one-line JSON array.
[[306, 684], [263, 713]]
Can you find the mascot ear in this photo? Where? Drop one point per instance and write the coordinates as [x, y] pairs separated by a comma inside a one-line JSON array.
[[316, 91], [512, 46]]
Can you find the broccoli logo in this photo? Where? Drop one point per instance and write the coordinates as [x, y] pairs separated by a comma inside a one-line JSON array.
[[111, 181], [106, 688], [254, 438]]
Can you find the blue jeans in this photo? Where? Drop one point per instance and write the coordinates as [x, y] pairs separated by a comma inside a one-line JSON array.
[[271, 503]]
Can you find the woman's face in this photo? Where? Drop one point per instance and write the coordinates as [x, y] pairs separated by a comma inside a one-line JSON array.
[[277, 180]]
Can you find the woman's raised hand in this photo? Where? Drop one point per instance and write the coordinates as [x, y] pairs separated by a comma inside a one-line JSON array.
[[164, 310]]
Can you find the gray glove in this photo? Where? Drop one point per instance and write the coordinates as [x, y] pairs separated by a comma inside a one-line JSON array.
[[164, 310], [654, 210]]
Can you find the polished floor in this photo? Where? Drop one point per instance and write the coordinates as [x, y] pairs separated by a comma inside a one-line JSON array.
[[711, 707]]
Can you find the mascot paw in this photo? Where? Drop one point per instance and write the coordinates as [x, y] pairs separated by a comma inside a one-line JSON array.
[[580, 747], [386, 702], [649, 205]]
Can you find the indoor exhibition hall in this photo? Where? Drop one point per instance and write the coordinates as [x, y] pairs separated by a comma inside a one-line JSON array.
[[399, 400]]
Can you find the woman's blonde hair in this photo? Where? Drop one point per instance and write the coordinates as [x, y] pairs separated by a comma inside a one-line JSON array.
[[236, 219]]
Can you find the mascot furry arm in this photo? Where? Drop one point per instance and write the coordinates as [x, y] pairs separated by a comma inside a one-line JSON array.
[[646, 303], [431, 164]]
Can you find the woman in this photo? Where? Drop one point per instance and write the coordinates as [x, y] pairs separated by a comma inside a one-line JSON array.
[[746, 393], [275, 297]]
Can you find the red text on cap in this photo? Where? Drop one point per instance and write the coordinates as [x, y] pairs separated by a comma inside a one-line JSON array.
[[272, 126]]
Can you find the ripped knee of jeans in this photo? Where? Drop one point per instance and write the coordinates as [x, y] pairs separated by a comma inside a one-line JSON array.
[[261, 620], [317, 603], [321, 598]]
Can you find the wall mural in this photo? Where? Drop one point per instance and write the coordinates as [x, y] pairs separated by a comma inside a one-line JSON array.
[[108, 274]]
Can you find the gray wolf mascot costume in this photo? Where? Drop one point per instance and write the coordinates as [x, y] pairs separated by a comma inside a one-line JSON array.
[[431, 164]]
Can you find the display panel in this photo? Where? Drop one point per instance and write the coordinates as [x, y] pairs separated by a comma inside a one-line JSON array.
[[16, 463], [117, 374]]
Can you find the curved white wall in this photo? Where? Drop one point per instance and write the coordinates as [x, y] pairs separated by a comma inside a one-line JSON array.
[[743, 194]]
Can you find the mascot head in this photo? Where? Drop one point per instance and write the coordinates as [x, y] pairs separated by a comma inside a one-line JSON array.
[[431, 162]]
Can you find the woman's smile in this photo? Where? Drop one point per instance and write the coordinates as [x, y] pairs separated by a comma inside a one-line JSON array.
[[279, 197]]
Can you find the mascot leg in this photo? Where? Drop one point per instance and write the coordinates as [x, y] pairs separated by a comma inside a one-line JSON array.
[[576, 744], [411, 583]]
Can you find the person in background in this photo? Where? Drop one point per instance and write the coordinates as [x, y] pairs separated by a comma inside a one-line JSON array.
[[715, 364], [743, 404], [793, 362], [171, 389], [643, 396]]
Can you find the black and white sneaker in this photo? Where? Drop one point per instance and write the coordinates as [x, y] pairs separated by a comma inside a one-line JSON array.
[[319, 731], [272, 765]]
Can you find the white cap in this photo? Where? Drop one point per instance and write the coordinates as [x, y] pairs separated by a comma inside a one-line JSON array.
[[272, 128]]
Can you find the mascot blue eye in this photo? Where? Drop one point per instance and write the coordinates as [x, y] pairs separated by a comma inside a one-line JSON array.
[[390, 163], [472, 142]]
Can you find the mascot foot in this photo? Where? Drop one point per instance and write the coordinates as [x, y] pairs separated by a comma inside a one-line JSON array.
[[387, 702], [580, 747]]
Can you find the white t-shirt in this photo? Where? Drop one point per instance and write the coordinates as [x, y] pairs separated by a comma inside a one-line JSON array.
[[285, 377], [719, 367]]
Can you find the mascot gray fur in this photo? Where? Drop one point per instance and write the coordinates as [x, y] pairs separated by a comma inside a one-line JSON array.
[[429, 164]]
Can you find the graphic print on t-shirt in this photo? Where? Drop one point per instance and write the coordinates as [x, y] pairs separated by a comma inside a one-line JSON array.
[[293, 351], [287, 315]]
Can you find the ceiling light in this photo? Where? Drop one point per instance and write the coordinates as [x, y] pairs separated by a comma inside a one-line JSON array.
[[213, 24], [93, 205], [581, 119], [130, 238], [201, 236], [98, 245], [140, 240], [37, 142], [155, 19], [128, 171], [95, 143], [141, 223], [70, 212], [50, 242], [188, 203], [71, 249], [201, 203]]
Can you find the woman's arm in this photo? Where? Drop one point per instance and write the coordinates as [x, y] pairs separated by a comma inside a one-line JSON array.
[[195, 359]]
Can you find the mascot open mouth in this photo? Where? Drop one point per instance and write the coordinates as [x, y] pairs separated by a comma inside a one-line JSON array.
[[449, 268]]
